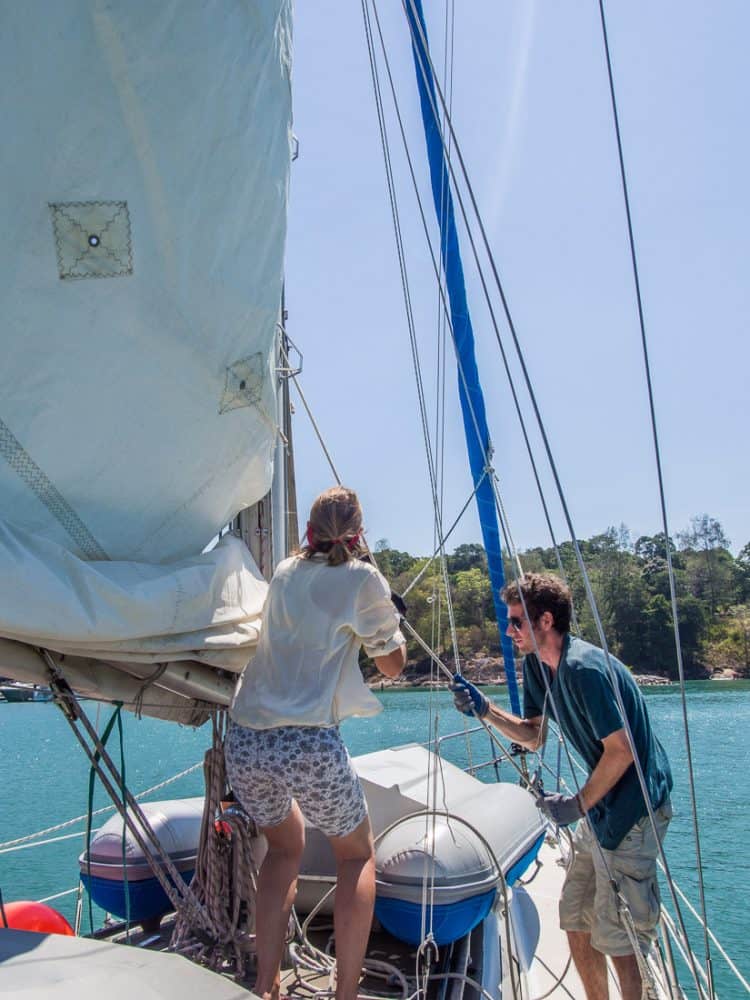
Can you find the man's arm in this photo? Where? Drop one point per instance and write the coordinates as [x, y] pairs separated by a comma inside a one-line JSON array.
[[528, 732], [613, 763]]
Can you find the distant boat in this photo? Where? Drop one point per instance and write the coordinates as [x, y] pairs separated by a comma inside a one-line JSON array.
[[14, 692]]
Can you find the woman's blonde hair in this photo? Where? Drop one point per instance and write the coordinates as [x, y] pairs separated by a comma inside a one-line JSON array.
[[335, 527]]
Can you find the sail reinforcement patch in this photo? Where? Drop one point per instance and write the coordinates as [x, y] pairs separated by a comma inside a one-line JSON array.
[[92, 239], [244, 384], [45, 490]]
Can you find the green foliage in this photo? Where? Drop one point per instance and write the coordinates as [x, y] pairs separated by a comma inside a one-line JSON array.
[[391, 562], [630, 582], [467, 557], [742, 574], [729, 644]]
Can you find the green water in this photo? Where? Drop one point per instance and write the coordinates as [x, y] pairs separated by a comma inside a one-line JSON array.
[[45, 781]]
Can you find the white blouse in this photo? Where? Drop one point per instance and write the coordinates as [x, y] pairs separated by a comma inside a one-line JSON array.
[[305, 671]]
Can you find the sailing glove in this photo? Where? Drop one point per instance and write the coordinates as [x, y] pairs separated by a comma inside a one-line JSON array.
[[469, 699], [561, 809]]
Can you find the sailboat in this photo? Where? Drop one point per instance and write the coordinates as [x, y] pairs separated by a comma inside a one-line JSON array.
[[145, 409]]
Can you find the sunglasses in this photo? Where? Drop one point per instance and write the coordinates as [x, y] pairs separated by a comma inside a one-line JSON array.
[[516, 623]]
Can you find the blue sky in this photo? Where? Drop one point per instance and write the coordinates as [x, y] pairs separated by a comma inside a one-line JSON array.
[[531, 111]]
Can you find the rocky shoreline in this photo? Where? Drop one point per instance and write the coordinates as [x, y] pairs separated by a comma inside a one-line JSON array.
[[488, 671]]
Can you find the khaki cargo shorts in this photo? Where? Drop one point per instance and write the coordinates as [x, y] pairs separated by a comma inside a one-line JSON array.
[[588, 902]]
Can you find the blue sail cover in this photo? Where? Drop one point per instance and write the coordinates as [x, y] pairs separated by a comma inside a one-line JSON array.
[[469, 388]]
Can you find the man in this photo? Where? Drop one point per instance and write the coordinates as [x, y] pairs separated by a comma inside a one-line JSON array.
[[574, 684]]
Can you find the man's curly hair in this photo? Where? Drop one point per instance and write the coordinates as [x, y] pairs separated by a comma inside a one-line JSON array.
[[542, 592]]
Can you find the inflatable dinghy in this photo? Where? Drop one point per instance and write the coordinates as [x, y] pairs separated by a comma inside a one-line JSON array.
[[113, 885], [459, 854]]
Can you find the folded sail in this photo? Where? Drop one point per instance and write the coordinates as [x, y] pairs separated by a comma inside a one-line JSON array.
[[145, 166]]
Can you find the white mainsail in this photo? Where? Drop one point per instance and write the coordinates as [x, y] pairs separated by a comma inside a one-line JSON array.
[[145, 165]]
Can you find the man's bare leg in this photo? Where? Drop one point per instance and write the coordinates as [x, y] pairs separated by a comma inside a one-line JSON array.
[[591, 965], [626, 967]]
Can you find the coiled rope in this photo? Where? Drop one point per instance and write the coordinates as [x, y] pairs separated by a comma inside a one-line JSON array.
[[225, 880]]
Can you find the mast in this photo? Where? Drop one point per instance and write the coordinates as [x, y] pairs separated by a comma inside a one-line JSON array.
[[269, 528], [477, 434], [279, 484]]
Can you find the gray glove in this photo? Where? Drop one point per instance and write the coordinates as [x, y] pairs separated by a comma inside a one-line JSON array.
[[561, 809], [469, 699]]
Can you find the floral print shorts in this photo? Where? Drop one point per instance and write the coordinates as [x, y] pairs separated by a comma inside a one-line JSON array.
[[267, 768]]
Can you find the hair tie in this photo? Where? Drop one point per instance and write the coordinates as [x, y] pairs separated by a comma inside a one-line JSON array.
[[349, 542]]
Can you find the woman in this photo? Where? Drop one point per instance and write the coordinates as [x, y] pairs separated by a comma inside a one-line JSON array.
[[284, 754]]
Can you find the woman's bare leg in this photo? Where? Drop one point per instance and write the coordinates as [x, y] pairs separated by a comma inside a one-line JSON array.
[[355, 900], [277, 884]]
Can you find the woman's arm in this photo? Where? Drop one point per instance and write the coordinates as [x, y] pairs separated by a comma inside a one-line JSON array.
[[392, 664]]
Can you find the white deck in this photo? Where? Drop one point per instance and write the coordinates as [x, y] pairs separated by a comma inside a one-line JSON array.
[[542, 948], [39, 966]]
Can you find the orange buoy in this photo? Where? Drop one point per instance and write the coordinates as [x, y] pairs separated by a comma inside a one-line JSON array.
[[23, 915]]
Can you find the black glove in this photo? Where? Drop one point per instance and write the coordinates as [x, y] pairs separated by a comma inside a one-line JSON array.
[[399, 603], [561, 809], [469, 699]]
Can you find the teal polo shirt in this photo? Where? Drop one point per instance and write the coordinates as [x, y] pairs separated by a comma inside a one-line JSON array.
[[584, 705]]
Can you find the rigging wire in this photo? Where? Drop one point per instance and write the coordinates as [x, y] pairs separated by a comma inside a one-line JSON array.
[[477, 437], [313, 421], [487, 298], [662, 494], [486, 451], [578, 555], [715, 940], [582, 567], [336, 476], [498, 503], [451, 139], [537, 413], [428, 880], [409, 317], [442, 315], [9, 844], [550, 458], [446, 536], [673, 930], [500, 509]]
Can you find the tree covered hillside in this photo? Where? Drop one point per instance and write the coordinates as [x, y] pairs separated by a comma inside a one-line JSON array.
[[631, 585]]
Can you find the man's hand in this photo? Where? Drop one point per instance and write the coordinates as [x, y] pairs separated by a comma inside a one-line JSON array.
[[561, 809], [469, 699]]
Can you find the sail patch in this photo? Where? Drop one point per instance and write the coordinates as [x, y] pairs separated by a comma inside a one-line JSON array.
[[244, 384], [92, 239]]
